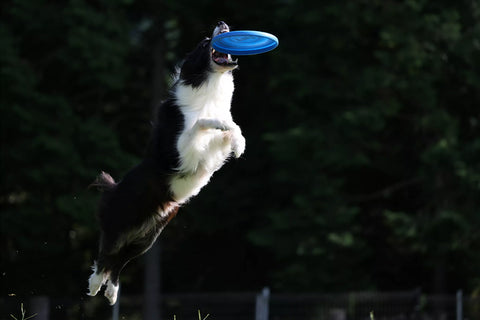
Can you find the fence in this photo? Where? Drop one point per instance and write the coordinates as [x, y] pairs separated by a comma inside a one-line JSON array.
[[410, 305]]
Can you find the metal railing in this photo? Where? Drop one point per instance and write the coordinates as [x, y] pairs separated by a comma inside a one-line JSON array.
[[264, 305]]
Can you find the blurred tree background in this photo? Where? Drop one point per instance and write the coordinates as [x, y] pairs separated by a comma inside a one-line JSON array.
[[362, 168]]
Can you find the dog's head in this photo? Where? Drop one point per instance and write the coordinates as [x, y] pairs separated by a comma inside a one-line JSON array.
[[204, 59]]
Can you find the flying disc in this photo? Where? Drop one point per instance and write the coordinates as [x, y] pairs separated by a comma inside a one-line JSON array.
[[244, 42]]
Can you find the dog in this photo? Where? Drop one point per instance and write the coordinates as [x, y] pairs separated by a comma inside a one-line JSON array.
[[193, 135]]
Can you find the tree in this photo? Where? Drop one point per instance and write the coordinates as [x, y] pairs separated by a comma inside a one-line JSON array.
[[57, 72], [377, 165]]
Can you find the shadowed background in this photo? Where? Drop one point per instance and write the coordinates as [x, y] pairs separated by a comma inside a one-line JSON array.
[[362, 167]]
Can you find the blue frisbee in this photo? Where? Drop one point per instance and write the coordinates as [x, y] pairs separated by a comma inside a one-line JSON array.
[[244, 42]]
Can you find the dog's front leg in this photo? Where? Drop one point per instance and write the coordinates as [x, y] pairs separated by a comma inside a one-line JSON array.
[[195, 143], [235, 133]]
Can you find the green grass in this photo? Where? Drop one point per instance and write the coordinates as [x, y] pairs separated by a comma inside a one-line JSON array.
[[23, 311], [199, 316]]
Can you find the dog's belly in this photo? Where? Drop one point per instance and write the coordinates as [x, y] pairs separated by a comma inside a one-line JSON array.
[[185, 186], [187, 183]]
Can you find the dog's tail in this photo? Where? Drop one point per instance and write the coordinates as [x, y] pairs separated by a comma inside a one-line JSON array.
[[103, 182]]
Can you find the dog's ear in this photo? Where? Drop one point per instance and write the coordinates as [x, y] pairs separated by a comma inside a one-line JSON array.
[[103, 182], [205, 42]]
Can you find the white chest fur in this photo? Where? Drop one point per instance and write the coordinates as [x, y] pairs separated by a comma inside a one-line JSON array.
[[202, 150]]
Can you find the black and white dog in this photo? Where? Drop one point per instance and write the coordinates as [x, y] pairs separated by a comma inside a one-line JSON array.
[[193, 135]]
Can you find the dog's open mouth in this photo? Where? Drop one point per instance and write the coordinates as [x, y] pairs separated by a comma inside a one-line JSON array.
[[222, 59]]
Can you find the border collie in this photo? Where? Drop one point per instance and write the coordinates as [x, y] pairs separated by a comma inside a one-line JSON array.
[[193, 134]]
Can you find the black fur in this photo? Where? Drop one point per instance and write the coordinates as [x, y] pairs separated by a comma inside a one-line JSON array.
[[144, 191], [124, 208], [168, 124], [197, 62]]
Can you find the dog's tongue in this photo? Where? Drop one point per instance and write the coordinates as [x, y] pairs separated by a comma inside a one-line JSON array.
[[220, 58]]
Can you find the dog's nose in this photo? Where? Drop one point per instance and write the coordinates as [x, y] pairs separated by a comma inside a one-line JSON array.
[[221, 27]]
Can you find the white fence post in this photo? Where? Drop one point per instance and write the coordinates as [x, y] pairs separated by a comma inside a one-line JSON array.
[[262, 304], [40, 306], [459, 305], [152, 283], [116, 306]]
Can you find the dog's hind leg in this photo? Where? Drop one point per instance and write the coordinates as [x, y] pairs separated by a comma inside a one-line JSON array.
[[120, 260], [111, 293], [101, 270], [96, 280], [113, 283], [105, 272]]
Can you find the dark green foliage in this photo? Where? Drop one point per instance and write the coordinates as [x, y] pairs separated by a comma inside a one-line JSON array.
[[362, 168], [377, 165], [54, 139]]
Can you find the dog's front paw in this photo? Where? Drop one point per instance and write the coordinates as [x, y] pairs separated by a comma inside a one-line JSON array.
[[238, 145], [207, 123]]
